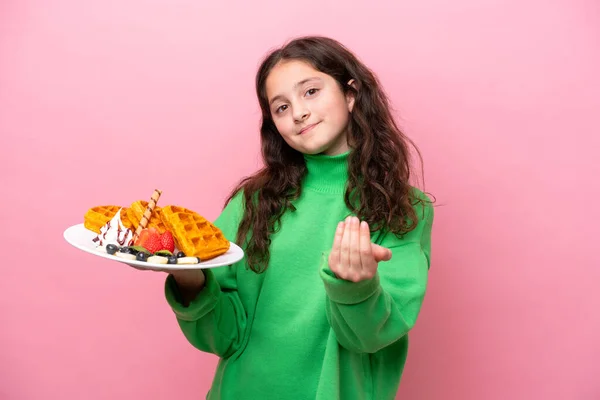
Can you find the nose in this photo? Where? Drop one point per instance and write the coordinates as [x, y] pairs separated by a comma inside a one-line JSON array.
[[301, 112]]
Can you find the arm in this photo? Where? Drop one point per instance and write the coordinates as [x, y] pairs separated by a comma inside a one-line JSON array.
[[369, 315], [212, 318]]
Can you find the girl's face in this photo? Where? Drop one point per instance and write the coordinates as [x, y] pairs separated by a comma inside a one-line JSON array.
[[308, 108]]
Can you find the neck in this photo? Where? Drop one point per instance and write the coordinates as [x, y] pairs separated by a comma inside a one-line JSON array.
[[326, 173]]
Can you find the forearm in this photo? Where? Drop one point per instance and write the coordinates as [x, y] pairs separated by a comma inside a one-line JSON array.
[[371, 325], [369, 315], [212, 320]]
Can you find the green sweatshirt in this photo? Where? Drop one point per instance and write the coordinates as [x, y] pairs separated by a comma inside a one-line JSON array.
[[296, 332]]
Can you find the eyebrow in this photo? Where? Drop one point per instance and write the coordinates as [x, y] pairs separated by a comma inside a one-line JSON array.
[[302, 82]]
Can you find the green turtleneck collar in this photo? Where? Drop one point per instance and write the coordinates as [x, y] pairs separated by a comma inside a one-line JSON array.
[[325, 173]]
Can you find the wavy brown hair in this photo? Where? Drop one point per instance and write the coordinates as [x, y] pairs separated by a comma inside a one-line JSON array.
[[378, 189]]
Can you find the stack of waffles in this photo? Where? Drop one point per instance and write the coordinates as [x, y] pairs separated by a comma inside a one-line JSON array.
[[192, 233]]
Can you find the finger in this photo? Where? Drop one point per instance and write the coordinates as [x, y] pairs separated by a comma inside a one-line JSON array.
[[345, 250], [366, 254], [334, 255], [355, 259], [381, 253]]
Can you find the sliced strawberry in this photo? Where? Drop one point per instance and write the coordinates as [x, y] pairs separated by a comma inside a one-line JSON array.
[[153, 244], [167, 242], [149, 238], [143, 236]]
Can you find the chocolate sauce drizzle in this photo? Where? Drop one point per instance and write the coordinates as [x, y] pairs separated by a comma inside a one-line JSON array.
[[121, 235]]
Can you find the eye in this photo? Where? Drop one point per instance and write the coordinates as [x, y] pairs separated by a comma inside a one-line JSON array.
[[281, 109], [310, 92]]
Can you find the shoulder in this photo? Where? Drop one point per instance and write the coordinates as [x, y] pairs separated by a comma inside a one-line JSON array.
[[423, 206], [420, 231], [424, 213]]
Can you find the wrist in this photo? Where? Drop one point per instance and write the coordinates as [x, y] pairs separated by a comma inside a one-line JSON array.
[[192, 280]]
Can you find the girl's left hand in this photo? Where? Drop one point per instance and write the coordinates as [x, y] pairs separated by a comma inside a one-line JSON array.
[[353, 257]]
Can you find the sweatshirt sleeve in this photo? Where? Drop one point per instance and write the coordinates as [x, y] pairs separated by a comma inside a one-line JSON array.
[[215, 320], [369, 315]]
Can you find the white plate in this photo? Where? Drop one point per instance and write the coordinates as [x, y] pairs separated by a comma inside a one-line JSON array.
[[81, 237]]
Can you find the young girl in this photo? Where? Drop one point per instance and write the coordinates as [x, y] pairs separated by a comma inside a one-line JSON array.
[[337, 242]]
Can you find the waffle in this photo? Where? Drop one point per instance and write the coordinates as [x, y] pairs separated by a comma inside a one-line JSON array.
[[127, 223], [96, 217], [136, 211], [193, 234]]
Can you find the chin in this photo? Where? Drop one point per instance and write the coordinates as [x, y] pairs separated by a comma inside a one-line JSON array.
[[314, 150], [310, 149]]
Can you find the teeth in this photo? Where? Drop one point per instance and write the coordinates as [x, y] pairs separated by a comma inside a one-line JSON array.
[[157, 260], [187, 260], [126, 256]]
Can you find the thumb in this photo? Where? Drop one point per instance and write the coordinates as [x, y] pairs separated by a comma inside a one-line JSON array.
[[381, 253]]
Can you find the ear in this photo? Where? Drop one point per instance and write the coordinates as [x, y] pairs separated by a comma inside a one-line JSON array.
[[350, 96]]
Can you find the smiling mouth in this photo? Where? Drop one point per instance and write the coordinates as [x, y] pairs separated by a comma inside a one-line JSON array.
[[308, 128]]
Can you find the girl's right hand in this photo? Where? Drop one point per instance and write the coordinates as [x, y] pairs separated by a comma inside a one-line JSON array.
[[190, 283], [189, 279]]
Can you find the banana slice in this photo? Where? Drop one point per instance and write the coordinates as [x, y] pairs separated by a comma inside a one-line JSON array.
[[157, 260], [126, 256], [188, 260]]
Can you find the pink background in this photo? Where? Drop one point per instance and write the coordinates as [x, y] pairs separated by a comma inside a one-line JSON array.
[[104, 101]]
